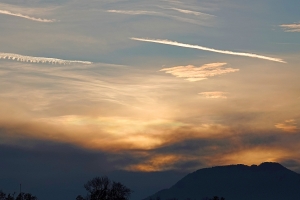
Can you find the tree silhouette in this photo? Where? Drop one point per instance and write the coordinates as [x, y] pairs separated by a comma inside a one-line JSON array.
[[26, 196], [21, 196], [214, 198], [217, 198], [119, 192], [2, 195], [98, 188], [79, 197], [101, 188]]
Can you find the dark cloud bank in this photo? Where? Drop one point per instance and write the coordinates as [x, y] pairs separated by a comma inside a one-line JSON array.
[[54, 170], [58, 171]]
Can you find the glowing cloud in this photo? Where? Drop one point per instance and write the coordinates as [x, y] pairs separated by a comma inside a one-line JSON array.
[[23, 58], [214, 95], [288, 126], [291, 27], [156, 163], [174, 43], [5, 12], [192, 73]]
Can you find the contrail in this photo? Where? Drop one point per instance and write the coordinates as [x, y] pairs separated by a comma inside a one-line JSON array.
[[21, 58], [174, 43], [26, 17]]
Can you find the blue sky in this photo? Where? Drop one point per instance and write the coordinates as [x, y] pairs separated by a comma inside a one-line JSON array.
[[161, 86]]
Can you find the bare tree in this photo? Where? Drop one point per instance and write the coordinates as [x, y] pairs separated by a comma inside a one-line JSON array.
[[101, 188]]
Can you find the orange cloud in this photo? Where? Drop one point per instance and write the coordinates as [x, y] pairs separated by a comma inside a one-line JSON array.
[[155, 163], [251, 156], [192, 73], [288, 126], [160, 163], [214, 95]]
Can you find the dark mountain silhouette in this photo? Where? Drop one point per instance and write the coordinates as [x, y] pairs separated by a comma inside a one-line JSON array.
[[268, 181]]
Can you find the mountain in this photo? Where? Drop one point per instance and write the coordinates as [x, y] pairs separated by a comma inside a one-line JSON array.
[[268, 181]]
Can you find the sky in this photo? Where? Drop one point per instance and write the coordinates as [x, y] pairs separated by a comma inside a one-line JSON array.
[[144, 90]]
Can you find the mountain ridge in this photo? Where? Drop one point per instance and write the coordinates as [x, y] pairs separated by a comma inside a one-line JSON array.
[[268, 180]]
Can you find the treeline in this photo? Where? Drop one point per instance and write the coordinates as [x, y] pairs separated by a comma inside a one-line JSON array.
[[99, 188], [21, 196], [206, 198]]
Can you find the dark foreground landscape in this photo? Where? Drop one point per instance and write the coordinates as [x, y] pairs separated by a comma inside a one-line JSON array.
[[267, 181]]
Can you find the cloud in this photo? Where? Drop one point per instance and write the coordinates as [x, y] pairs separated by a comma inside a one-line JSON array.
[[288, 126], [192, 20], [190, 12], [22, 58], [174, 43], [156, 163], [291, 27], [133, 12], [5, 12], [214, 95], [192, 73]]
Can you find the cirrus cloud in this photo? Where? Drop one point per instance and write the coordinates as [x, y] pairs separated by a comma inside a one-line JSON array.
[[192, 73], [291, 27], [133, 12], [6, 12], [22, 58]]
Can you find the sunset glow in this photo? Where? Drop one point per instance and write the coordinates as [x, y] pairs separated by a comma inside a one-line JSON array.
[[149, 86]]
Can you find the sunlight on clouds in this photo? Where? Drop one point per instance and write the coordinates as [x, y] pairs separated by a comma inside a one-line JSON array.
[[252, 156], [6, 12], [22, 58], [174, 43], [192, 73], [115, 133], [214, 95], [288, 126], [291, 27], [109, 134], [156, 163], [151, 118]]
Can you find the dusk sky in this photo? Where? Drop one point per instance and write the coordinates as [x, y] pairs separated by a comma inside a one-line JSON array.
[[130, 88]]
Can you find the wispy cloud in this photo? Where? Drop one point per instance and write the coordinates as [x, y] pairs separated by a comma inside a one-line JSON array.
[[133, 12], [192, 73], [160, 14], [291, 27], [288, 126], [189, 12], [5, 12], [174, 43], [22, 58], [214, 95]]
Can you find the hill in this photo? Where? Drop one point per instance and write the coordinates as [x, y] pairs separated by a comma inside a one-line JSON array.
[[268, 181]]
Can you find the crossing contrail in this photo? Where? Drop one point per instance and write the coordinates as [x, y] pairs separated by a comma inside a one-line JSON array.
[[174, 43], [22, 58], [5, 12]]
